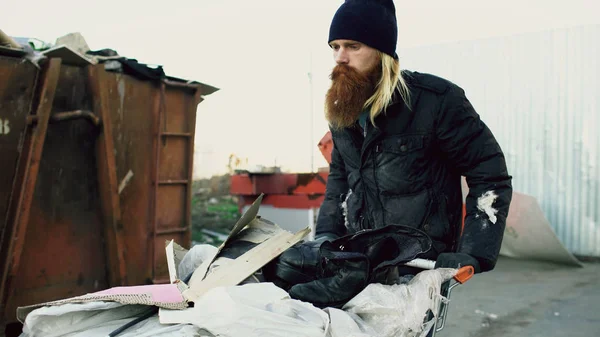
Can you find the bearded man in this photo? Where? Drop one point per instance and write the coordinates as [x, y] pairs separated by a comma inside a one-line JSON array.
[[402, 141]]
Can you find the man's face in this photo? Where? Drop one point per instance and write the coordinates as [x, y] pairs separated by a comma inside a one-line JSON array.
[[353, 81], [355, 54]]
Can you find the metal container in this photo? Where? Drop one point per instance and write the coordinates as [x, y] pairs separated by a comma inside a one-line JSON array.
[[95, 177]]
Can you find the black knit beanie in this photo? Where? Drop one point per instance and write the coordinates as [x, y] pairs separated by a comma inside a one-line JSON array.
[[372, 22]]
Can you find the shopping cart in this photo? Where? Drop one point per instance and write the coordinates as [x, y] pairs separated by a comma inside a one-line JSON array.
[[463, 275]]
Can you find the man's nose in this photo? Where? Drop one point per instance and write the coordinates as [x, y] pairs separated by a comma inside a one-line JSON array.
[[341, 56]]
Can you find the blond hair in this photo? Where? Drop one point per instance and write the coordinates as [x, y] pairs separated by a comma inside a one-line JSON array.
[[391, 79]]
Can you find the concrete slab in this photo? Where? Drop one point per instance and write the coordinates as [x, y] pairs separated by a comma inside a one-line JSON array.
[[525, 298]]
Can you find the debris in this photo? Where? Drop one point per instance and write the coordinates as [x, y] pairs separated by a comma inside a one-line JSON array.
[[487, 315], [225, 305], [75, 41], [68, 56], [125, 181]]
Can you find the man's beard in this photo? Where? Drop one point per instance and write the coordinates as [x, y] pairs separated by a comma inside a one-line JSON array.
[[348, 93]]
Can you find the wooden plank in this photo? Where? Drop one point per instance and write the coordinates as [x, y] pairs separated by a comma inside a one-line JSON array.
[[107, 180], [242, 267], [28, 166]]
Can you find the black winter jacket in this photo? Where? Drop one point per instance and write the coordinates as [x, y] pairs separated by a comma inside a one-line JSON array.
[[407, 171]]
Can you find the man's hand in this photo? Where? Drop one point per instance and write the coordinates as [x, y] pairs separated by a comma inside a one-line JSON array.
[[457, 260]]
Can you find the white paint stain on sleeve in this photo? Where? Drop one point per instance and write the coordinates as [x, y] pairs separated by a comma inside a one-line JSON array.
[[345, 207], [485, 203]]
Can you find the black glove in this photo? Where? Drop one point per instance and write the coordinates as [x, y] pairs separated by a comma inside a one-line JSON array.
[[344, 275], [457, 260]]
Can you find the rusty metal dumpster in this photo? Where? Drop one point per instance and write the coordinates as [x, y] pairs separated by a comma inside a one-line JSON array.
[[95, 176]]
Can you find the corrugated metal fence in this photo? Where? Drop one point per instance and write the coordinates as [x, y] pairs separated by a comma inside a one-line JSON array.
[[540, 95]]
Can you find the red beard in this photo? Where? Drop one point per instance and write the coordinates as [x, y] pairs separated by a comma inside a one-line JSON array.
[[347, 95]]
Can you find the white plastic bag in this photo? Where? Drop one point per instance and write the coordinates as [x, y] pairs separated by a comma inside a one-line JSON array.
[[98, 319], [400, 310], [344, 324], [195, 257], [252, 310]]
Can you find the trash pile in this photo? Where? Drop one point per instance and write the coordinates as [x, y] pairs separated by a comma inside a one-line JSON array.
[[72, 49], [222, 291]]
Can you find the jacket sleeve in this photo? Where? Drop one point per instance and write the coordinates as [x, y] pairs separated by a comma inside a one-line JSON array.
[[331, 218], [470, 148]]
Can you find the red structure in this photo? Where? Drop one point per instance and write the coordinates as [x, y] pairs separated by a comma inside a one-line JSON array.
[[282, 190], [285, 190]]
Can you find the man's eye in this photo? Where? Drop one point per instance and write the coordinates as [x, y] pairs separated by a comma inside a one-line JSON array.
[[354, 46]]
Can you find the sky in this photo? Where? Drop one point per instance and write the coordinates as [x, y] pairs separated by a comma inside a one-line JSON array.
[[260, 54]]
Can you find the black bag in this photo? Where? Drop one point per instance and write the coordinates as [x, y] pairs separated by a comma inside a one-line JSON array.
[[330, 273]]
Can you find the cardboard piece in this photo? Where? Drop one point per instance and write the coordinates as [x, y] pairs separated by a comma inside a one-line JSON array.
[[244, 220], [241, 268], [175, 254], [270, 240], [166, 296]]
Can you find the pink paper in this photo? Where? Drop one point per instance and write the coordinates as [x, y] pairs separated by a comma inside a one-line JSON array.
[[163, 293]]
